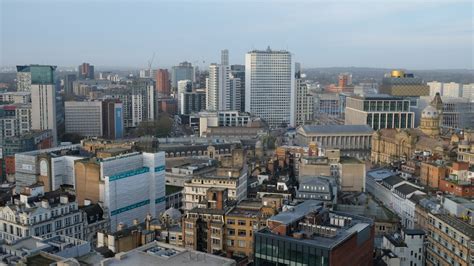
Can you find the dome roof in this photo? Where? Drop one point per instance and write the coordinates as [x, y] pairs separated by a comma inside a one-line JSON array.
[[429, 112], [173, 213]]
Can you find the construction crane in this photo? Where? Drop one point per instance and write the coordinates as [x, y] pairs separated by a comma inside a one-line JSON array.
[[150, 62]]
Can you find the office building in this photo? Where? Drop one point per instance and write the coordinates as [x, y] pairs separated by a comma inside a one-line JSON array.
[[84, 118], [85, 71], [450, 240], [140, 175], [452, 89], [399, 83], [69, 84], [468, 91], [344, 80], [183, 87], [225, 57], [379, 111], [43, 99], [138, 101], [238, 72], [457, 112], [163, 83], [15, 97], [304, 103], [94, 118], [270, 86], [309, 234], [112, 119], [42, 214], [222, 119], [183, 71], [193, 102], [435, 87], [330, 104]]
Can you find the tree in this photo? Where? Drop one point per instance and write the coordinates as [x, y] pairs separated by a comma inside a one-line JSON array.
[[157, 128]]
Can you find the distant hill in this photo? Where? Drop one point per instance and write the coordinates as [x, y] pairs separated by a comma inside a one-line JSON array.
[[327, 75]]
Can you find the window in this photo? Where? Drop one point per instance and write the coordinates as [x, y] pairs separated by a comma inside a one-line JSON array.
[[230, 243], [242, 222], [241, 243], [242, 233], [230, 221], [231, 232]]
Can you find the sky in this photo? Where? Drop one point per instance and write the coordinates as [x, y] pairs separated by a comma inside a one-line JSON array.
[[410, 34]]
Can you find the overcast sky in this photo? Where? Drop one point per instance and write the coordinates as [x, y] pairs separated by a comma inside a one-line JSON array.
[[411, 34]]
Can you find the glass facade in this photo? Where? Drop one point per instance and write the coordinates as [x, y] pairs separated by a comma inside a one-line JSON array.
[[42, 74], [275, 250]]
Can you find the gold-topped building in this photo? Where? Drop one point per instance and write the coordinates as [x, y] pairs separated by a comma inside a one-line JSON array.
[[400, 83]]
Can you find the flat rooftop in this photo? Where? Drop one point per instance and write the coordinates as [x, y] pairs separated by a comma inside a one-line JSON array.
[[338, 129], [356, 226], [157, 253], [297, 212], [381, 174]]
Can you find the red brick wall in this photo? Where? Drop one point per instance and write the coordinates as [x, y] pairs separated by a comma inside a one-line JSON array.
[[348, 253], [452, 188], [10, 165]]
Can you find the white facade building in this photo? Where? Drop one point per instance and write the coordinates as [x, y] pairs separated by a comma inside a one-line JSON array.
[[304, 103], [43, 108], [41, 214], [394, 192], [134, 186], [83, 118], [468, 91], [407, 246], [223, 91], [183, 87], [16, 97], [452, 89], [270, 86], [435, 87]]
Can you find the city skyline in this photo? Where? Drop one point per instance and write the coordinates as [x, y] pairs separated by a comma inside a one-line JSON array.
[[412, 35]]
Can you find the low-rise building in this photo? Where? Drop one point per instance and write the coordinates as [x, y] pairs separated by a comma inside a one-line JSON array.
[[450, 241], [95, 220], [241, 222], [317, 188], [59, 246], [310, 234], [166, 255], [348, 171], [44, 214], [408, 246], [395, 193], [231, 174]]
